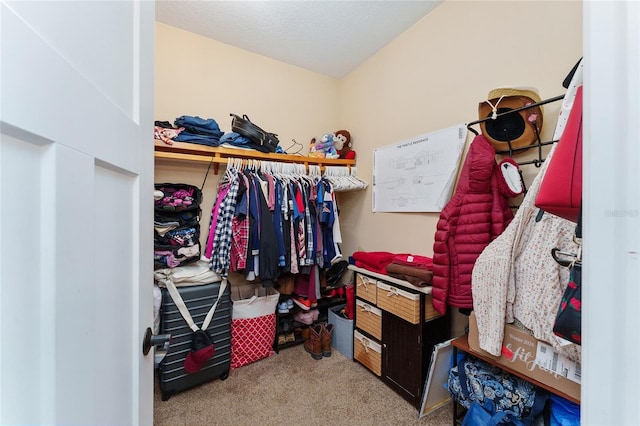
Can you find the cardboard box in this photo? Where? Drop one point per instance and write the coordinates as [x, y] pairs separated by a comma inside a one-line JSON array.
[[532, 358]]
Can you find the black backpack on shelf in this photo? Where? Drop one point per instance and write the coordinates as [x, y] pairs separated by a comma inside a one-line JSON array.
[[263, 141]]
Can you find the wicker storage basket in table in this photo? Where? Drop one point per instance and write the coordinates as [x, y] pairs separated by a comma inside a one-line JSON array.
[[399, 302], [366, 288], [369, 319], [367, 352], [429, 311]]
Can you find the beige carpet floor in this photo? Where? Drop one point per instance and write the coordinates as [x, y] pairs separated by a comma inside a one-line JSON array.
[[292, 388]]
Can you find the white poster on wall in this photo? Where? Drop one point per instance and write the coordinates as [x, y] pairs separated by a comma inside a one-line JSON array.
[[417, 174]]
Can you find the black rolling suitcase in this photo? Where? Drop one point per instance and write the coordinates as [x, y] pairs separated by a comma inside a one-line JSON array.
[[198, 300]]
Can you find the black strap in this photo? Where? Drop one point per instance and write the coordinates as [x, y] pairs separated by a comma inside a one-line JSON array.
[[567, 80], [206, 174], [579, 224]]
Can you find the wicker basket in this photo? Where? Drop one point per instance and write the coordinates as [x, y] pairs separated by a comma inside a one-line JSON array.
[[368, 352], [399, 302], [366, 288], [369, 319], [429, 311]]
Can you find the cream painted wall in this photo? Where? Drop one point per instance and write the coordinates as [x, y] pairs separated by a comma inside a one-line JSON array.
[[202, 77], [433, 76]]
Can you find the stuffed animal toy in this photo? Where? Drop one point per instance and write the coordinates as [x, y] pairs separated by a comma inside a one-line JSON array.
[[312, 148], [323, 148], [342, 141]]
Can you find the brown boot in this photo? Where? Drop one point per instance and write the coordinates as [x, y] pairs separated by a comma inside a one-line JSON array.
[[313, 344], [325, 339], [304, 332]]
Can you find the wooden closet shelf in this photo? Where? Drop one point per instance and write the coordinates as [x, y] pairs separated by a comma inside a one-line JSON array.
[[183, 151]]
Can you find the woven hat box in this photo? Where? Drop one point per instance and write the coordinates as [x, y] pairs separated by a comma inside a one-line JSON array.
[[368, 352]]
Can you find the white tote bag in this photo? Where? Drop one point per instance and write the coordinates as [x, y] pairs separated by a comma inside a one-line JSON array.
[[253, 323]]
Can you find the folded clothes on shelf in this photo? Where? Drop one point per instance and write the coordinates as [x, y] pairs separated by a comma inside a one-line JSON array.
[[416, 276], [419, 267]]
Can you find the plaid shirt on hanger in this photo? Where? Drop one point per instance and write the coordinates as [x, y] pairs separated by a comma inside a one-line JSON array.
[[222, 242], [240, 232]]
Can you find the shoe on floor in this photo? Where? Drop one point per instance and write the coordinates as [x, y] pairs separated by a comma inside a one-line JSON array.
[[304, 317], [304, 304], [304, 332], [313, 345], [282, 339], [330, 292], [314, 314], [326, 335], [283, 308]]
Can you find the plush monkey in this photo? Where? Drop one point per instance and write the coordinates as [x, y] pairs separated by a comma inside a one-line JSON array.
[[342, 142]]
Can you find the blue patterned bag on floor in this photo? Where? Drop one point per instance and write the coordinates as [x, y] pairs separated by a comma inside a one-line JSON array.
[[486, 390]]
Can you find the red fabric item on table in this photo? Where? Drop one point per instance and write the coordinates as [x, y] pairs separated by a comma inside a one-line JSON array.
[[414, 260], [375, 261]]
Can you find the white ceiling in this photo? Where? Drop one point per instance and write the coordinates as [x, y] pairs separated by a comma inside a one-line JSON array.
[[330, 37]]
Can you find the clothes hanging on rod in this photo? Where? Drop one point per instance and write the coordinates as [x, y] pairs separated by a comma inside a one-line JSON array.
[[271, 218]]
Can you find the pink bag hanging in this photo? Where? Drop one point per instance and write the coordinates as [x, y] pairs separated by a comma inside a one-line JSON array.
[[561, 188]]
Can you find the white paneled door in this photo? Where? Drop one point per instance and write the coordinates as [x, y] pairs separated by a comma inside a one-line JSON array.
[[76, 181], [611, 219]]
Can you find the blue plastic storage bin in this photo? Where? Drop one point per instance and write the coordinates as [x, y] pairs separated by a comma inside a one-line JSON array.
[[342, 331]]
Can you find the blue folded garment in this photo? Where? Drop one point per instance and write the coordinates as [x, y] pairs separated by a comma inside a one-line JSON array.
[[185, 136], [200, 126], [234, 138]]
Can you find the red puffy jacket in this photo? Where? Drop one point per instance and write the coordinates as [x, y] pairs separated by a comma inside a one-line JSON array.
[[476, 214]]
